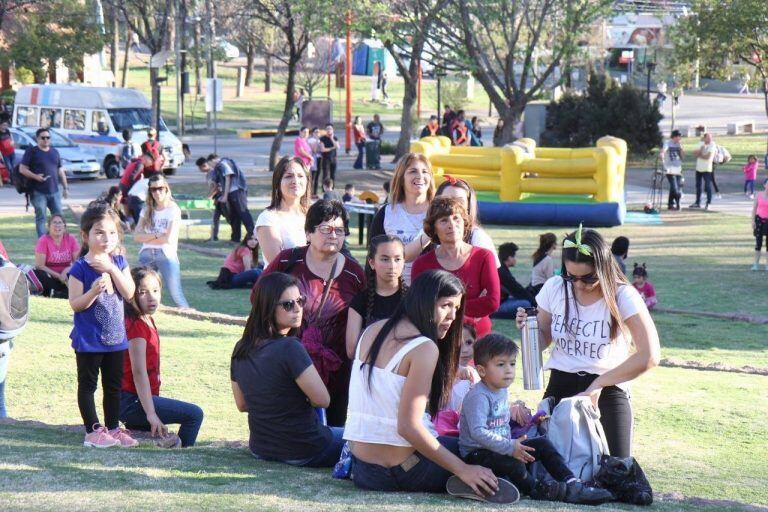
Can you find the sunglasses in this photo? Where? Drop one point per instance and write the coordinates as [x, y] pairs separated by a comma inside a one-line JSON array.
[[290, 305], [157, 189], [588, 279], [44, 138], [326, 230]]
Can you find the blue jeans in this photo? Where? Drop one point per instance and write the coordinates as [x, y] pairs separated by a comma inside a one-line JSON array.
[[749, 186], [415, 474], [508, 308], [360, 152], [675, 190], [327, 458], [5, 357], [246, 279], [169, 269], [706, 177], [188, 416], [42, 201]]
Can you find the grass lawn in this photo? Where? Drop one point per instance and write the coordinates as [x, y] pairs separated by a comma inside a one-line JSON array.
[[698, 433]]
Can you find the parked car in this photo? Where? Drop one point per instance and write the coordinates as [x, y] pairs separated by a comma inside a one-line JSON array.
[[75, 162]]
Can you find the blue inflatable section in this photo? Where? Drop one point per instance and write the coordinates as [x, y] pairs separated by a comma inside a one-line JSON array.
[[552, 214]]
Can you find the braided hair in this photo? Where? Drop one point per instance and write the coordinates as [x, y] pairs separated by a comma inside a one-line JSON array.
[[370, 274]]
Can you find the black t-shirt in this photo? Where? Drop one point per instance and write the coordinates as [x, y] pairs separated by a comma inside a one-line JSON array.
[[383, 307], [375, 130], [44, 163], [283, 424], [327, 142]]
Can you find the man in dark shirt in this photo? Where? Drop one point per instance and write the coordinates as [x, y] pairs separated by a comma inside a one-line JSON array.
[[374, 130], [329, 145], [513, 294], [41, 164], [432, 128]]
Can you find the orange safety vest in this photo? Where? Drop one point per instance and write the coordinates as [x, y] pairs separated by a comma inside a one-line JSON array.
[[462, 138]]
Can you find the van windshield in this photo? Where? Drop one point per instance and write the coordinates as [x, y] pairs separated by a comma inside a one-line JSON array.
[[133, 119]]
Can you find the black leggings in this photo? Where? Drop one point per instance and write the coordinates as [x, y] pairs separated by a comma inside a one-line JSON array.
[[506, 466], [614, 404], [88, 366], [761, 230], [52, 287]]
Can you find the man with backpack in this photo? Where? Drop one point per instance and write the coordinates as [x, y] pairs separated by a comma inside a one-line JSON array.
[[129, 150], [41, 165], [153, 147], [137, 168], [234, 193]]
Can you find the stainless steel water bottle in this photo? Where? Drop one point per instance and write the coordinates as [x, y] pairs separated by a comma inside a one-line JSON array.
[[533, 372]]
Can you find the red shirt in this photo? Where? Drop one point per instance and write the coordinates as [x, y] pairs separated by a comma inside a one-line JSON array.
[[138, 328], [478, 273], [154, 147], [324, 331]]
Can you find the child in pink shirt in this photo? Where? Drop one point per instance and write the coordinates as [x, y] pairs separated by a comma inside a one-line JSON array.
[[750, 175], [642, 285], [240, 269]]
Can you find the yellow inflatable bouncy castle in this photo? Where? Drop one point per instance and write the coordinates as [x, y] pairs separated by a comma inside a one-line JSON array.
[[522, 184]]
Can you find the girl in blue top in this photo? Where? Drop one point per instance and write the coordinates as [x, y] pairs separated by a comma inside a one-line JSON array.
[[99, 281]]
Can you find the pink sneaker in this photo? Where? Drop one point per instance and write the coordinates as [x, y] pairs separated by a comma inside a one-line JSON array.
[[123, 438], [100, 438]]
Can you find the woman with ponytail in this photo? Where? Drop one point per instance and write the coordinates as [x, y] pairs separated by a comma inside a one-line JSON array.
[[602, 333]]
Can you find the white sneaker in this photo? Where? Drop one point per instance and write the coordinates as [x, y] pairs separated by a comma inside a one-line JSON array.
[[755, 267]]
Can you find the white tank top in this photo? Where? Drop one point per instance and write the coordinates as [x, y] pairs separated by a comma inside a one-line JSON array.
[[372, 410]]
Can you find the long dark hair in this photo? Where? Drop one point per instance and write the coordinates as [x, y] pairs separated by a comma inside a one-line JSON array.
[[138, 274], [607, 270], [277, 177], [255, 250], [418, 306], [546, 242], [96, 212], [261, 322], [370, 274]]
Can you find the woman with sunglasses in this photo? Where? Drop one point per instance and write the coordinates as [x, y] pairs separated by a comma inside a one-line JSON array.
[[602, 333], [275, 382], [158, 232], [329, 280]]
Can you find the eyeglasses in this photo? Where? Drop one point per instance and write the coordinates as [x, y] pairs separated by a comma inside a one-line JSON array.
[[158, 189], [290, 305], [326, 230], [587, 279], [44, 138]]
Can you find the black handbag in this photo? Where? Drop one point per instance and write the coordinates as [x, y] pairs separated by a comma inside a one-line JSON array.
[[625, 479]]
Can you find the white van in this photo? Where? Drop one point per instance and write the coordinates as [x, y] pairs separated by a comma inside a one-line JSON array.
[[94, 118]]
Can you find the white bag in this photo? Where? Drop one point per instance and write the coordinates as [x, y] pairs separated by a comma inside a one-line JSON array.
[[575, 430]]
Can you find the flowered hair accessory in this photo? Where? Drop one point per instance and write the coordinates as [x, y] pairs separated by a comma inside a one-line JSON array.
[[450, 179], [582, 248]]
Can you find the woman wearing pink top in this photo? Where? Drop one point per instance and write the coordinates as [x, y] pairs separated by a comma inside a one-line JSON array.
[[750, 175], [760, 223], [54, 254], [240, 269], [301, 147]]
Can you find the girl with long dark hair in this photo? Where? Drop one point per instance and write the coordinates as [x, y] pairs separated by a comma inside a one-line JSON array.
[[602, 334], [543, 264], [403, 371], [275, 382], [384, 274]]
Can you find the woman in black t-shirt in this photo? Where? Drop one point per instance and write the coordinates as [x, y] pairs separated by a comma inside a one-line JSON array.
[[384, 273], [275, 382]]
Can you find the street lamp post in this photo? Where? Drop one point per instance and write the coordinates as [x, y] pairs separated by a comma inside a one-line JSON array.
[[348, 85], [649, 66]]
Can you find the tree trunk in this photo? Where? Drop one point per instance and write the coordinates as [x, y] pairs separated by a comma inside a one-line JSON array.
[[51, 72], [765, 94], [153, 73], [406, 122], [125, 59], [250, 56], [267, 73], [5, 78], [287, 112], [198, 73], [114, 43]]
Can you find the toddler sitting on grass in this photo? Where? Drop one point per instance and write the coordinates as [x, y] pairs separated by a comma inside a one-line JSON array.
[[485, 437]]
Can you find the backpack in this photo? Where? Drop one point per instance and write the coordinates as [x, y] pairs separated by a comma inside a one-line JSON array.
[[126, 154], [131, 175], [35, 286], [722, 156], [625, 479], [575, 430], [20, 182], [14, 301]]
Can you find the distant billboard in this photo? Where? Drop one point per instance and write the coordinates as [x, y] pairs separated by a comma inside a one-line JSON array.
[[637, 31]]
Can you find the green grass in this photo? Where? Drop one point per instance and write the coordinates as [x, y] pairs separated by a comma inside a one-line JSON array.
[[698, 433]]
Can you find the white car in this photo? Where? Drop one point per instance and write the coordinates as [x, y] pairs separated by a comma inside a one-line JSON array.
[[77, 164]]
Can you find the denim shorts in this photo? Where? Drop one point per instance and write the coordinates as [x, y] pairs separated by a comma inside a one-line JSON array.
[[416, 474]]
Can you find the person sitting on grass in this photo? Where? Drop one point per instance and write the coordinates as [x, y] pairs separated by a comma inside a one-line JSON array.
[[447, 419], [329, 194], [620, 251], [275, 382], [643, 286], [55, 253], [141, 406], [513, 294], [349, 193], [543, 264], [241, 268], [485, 436], [405, 366]]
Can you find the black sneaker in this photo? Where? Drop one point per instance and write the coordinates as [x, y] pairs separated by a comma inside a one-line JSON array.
[[506, 495], [549, 490], [694, 205], [579, 493]]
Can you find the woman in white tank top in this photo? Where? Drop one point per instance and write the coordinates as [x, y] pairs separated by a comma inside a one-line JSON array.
[[398, 376]]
